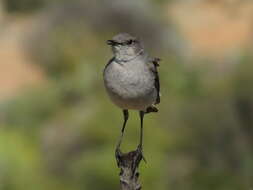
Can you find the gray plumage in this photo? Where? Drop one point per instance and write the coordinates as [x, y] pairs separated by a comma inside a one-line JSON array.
[[131, 77]]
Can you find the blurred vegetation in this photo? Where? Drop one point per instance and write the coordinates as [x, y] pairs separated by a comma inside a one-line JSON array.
[[30, 6], [23, 5], [62, 135]]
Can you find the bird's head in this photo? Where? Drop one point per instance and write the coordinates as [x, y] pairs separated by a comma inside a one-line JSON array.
[[125, 47]]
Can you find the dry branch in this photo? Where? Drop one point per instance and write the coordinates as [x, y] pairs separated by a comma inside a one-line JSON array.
[[128, 164]]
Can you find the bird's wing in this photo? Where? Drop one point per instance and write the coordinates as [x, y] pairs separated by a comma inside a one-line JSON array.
[[109, 62], [153, 63]]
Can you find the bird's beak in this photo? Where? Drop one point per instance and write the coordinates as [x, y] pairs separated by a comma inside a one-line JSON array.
[[110, 42]]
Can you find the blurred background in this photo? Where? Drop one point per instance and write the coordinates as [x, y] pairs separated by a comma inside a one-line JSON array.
[[58, 129]]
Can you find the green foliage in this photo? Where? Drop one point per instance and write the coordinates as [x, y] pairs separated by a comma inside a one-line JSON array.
[[21, 164]]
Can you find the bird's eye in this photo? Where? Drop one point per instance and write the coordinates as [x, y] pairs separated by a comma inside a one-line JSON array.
[[129, 42]]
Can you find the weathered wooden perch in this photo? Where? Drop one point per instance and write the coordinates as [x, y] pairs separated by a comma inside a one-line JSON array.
[[128, 164]]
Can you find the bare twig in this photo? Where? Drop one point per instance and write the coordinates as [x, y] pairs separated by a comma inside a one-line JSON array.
[[128, 164]]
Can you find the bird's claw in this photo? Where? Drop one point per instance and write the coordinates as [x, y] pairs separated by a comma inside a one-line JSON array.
[[117, 154], [140, 151]]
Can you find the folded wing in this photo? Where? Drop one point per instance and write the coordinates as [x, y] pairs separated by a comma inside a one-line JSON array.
[[153, 64]]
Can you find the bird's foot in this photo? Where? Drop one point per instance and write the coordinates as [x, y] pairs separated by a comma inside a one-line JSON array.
[[118, 154], [140, 151]]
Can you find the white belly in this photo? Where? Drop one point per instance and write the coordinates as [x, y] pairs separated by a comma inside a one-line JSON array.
[[130, 88]]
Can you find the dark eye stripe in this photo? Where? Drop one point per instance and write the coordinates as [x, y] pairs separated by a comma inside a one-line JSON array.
[[125, 43], [129, 42]]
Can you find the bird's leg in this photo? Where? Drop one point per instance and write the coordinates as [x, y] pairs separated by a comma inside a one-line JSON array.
[[125, 113], [141, 134]]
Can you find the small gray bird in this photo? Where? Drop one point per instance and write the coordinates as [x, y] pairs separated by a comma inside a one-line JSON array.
[[131, 79]]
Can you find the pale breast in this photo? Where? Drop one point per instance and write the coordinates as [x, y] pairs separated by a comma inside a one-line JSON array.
[[130, 85]]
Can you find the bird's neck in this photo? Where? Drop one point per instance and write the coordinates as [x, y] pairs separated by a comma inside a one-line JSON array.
[[121, 57]]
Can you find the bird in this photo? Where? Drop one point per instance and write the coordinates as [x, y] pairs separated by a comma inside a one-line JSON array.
[[131, 79]]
